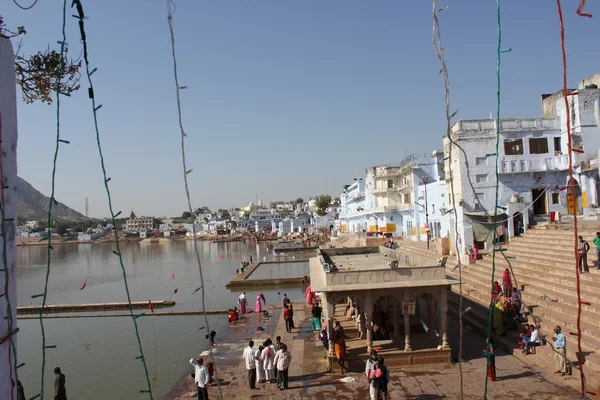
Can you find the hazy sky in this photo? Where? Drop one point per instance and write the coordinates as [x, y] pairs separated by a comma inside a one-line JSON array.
[[285, 98]]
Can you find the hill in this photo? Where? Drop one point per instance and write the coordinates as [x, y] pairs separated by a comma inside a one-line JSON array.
[[33, 205]]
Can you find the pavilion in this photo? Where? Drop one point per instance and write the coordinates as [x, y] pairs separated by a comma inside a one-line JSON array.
[[410, 290]]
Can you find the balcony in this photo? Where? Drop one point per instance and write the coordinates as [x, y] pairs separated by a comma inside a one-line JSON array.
[[507, 125], [537, 164], [398, 207], [386, 190]]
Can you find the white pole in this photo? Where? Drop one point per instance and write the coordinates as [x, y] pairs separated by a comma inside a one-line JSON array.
[[8, 112]]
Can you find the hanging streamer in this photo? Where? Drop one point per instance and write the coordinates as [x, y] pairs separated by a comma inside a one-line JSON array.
[[84, 284], [580, 10], [150, 306], [173, 276]]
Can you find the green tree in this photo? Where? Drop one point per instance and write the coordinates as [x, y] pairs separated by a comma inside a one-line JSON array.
[[61, 229], [40, 75], [323, 203], [186, 215], [299, 200], [202, 210]]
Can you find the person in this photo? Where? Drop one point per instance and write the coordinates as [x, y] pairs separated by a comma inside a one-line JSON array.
[[291, 307], [316, 317], [250, 364], [260, 370], [526, 334], [324, 338], [491, 359], [497, 291], [370, 366], [499, 316], [60, 392], [277, 347], [381, 380], [284, 300], [361, 325], [201, 377], [232, 317], [596, 241], [211, 373], [282, 360], [339, 345], [258, 307], [582, 249], [560, 349], [532, 341], [287, 315], [242, 301], [515, 300], [211, 337], [506, 283], [20, 391], [268, 355]]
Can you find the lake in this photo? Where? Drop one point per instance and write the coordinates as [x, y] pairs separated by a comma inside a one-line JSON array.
[[98, 355]]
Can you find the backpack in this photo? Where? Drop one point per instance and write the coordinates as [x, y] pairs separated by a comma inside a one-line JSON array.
[[380, 380]]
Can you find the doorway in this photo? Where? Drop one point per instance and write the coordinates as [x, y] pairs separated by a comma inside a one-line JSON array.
[[539, 201]]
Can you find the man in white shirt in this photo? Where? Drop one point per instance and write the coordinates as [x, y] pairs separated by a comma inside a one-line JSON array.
[[201, 377], [282, 360], [250, 360], [533, 340], [370, 367]]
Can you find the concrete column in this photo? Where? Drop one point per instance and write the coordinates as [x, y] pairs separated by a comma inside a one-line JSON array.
[[431, 314], [369, 320], [328, 306], [396, 311], [407, 333], [444, 316], [8, 316]]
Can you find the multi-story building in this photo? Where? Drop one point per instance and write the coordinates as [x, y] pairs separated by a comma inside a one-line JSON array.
[[140, 224], [392, 199], [532, 172]]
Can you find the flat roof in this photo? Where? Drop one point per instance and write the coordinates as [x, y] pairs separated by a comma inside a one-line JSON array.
[[360, 262]]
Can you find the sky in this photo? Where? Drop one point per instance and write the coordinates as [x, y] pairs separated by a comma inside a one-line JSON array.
[[284, 99]]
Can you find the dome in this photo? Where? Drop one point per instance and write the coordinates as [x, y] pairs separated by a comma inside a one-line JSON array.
[[312, 203]]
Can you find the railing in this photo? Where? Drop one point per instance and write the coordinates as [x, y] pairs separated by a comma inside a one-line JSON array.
[[507, 124]]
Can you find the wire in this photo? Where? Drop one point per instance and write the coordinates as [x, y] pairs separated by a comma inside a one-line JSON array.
[[572, 188], [25, 8], [170, 11], [496, 247], [117, 252], [44, 295], [9, 313], [436, 38], [580, 10]]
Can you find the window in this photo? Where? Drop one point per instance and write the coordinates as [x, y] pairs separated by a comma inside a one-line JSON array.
[[481, 178], [554, 198], [390, 183], [505, 166], [407, 198], [513, 166], [480, 161], [513, 147], [557, 150], [538, 146], [523, 165], [433, 208], [480, 196]]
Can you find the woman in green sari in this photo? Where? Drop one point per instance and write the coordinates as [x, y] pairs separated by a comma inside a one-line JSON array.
[[499, 316]]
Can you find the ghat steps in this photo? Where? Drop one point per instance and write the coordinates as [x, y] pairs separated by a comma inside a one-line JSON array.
[[543, 262]]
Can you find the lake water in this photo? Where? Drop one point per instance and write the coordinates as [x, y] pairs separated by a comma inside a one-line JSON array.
[[98, 355]]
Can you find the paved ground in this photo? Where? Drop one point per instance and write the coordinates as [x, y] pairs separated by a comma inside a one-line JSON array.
[[308, 379]]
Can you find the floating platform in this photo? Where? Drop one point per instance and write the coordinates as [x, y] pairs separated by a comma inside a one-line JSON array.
[[147, 313], [67, 308], [244, 280]]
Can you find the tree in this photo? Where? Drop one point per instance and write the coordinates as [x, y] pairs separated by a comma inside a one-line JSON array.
[[42, 74], [186, 215], [202, 210], [323, 203], [299, 200], [61, 229]]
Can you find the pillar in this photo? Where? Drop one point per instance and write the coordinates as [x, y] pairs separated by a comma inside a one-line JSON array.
[[444, 316], [8, 316], [431, 314], [328, 307], [407, 333], [369, 320], [396, 311]]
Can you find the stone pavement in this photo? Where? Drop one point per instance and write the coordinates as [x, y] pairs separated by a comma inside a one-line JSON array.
[[308, 379]]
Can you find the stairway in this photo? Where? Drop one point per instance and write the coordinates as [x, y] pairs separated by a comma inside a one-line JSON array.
[[345, 240], [543, 263]]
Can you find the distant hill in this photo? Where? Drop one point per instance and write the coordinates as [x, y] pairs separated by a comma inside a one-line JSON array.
[[33, 205]]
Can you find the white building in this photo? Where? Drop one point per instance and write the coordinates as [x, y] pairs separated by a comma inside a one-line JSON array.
[[533, 162], [392, 199], [139, 224]]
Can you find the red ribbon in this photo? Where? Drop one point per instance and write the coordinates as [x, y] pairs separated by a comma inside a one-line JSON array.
[[84, 284]]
